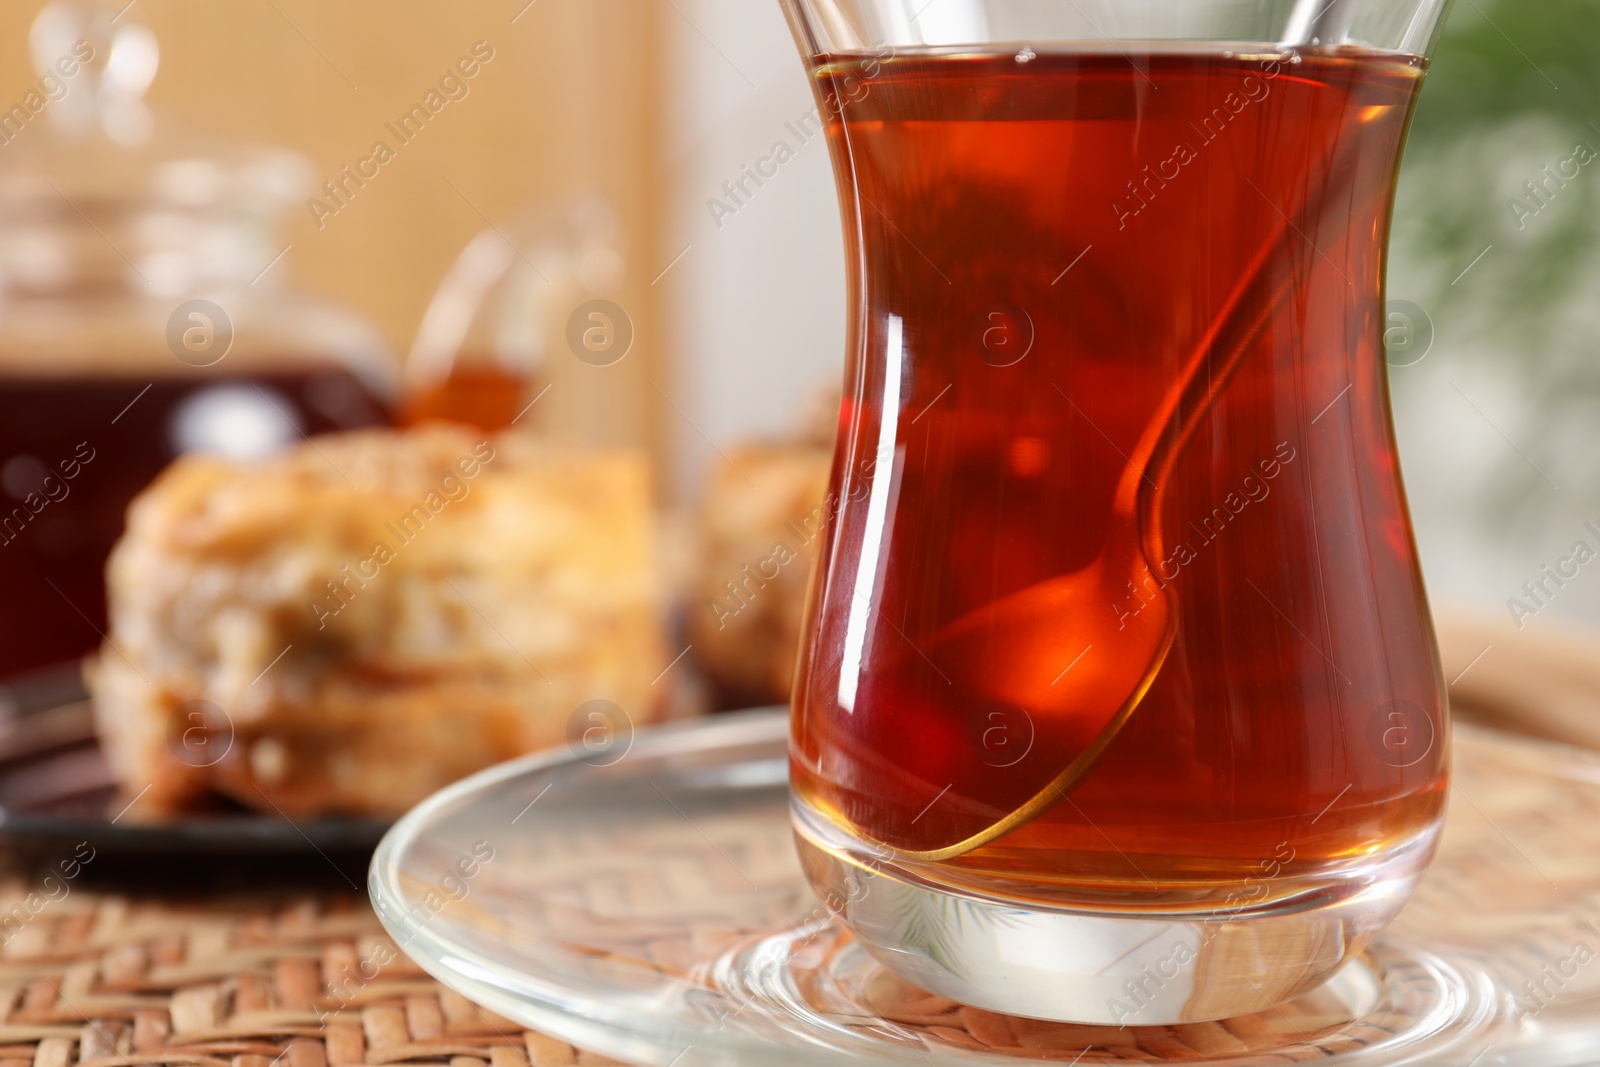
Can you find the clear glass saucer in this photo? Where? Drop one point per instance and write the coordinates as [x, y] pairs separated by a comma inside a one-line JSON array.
[[647, 904]]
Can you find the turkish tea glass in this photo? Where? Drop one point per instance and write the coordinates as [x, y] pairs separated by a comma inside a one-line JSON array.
[[1118, 700]]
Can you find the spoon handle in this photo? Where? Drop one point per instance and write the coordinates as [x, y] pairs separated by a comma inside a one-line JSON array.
[[1323, 22], [1249, 308]]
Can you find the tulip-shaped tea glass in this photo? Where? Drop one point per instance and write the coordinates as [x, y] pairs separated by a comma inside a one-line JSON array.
[[1119, 700]]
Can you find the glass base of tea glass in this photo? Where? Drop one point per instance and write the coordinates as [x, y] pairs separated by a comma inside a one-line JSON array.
[[1130, 968], [653, 909]]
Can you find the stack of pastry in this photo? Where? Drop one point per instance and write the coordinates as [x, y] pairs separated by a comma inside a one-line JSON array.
[[361, 621], [760, 531]]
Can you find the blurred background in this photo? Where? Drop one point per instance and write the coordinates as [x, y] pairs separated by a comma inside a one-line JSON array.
[[1498, 424], [739, 315], [657, 103]]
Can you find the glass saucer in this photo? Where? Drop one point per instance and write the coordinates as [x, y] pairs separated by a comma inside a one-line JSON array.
[[647, 904]]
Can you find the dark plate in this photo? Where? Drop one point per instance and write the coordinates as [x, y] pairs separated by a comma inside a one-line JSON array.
[[57, 793]]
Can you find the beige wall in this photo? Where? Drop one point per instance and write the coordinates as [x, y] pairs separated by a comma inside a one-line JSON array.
[[568, 105]]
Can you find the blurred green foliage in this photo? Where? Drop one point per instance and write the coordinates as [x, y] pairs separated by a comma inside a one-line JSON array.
[[1499, 61], [1514, 86]]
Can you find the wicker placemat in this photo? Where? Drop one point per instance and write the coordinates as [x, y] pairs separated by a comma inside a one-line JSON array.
[[105, 981]]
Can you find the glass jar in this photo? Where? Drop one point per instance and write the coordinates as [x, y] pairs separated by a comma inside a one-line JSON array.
[[143, 314]]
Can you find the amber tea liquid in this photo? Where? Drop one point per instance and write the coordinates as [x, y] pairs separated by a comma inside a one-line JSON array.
[[1047, 237], [481, 395]]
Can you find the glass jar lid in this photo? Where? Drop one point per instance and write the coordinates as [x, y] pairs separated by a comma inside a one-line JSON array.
[[98, 193]]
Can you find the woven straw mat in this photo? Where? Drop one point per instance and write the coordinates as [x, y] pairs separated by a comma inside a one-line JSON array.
[[103, 981]]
